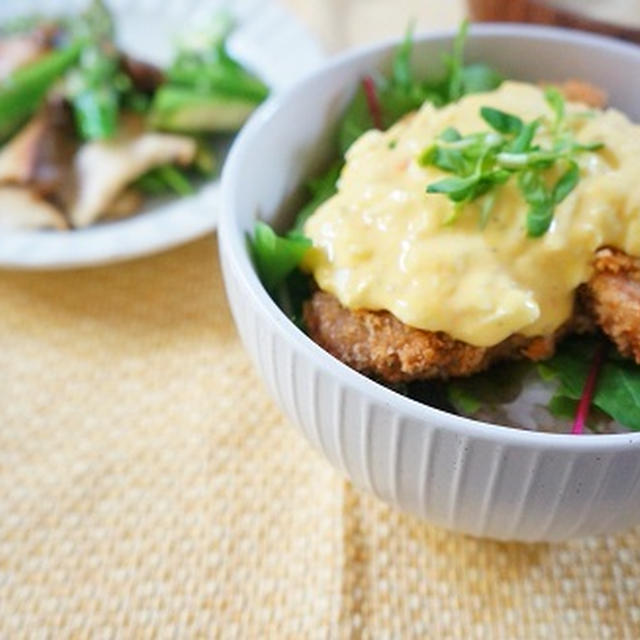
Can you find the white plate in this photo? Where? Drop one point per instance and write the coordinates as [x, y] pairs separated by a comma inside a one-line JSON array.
[[269, 40]]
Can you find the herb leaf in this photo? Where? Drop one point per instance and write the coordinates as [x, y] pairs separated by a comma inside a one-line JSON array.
[[482, 160], [450, 134], [522, 142], [456, 63], [276, 257], [456, 188], [402, 72], [566, 183], [539, 219], [477, 78], [618, 390], [321, 189], [501, 121], [556, 101]]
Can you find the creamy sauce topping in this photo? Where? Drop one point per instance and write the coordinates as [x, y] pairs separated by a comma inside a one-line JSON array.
[[381, 241]]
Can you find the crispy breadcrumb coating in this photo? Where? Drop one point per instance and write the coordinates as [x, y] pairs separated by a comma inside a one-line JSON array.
[[377, 343], [581, 91], [613, 298]]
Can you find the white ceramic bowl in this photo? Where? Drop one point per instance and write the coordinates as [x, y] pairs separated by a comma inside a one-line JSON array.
[[459, 473]]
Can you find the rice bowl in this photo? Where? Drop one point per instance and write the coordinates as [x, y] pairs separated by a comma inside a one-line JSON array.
[[468, 475]]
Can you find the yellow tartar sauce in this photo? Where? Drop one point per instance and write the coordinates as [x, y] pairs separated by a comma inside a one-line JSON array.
[[382, 243]]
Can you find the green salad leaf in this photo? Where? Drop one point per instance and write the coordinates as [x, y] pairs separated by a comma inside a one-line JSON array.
[[501, 385], [618, 389], [276, 256], [402, 92], [320, 189]]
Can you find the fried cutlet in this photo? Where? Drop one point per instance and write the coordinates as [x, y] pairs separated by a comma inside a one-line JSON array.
[[613, 298], [378, 344]]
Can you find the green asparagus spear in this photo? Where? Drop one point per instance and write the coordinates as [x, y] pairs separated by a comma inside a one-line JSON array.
[[223, 78], [24, 90], [93, 86], [186, 110], [206, 90], [165, 179]]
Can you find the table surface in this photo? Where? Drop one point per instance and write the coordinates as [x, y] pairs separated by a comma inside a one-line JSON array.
[[149, 487]]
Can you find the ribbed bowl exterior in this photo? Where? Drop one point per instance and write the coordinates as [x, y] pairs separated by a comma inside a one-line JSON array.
[[470, 483], [474, 478]]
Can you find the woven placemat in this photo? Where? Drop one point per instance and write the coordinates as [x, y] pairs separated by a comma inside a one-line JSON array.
[[149, 488]]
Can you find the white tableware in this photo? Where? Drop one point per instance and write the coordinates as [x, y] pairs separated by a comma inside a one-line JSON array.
[[269, 40], [459, 473]]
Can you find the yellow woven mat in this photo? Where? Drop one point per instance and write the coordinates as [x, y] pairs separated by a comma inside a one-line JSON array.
[[148, 487]]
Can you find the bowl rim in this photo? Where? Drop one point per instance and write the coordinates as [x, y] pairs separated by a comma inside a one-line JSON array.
[[233, 248]]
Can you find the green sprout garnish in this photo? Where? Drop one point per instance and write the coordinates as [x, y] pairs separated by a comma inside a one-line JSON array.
[[482, 161]]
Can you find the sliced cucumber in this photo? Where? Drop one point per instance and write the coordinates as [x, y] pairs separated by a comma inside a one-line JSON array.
[[178, 109]]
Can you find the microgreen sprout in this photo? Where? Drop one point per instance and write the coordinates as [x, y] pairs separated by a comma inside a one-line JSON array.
[[482, 161]]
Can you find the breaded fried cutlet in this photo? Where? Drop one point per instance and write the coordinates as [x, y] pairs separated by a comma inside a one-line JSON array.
[[613, 298], [378, 344]]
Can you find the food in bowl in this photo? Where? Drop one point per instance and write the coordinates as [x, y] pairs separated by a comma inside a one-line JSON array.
[[470, 475], [476, 247], [89, 134]]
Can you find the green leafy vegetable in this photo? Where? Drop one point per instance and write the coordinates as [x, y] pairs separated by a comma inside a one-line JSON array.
[[165, 179], [501, 121], [402, 72], [501, 385], [463, 400], [566, 183], [22, 92], [618, 390], [206, 89], [402, 92], [276, 256], [478, 78], [455, 63], [481, 161], [321, 189], [556, 102], [93, 86], [616, 394], [182, 109]]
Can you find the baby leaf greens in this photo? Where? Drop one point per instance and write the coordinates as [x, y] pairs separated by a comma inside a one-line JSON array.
[[321, 189], [402, 91], [583, 374], [617, 392], [464, 79], [276, 256], [482, 161]]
